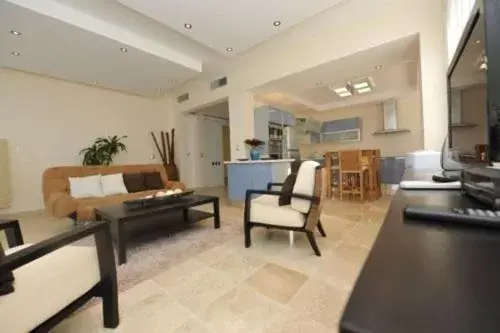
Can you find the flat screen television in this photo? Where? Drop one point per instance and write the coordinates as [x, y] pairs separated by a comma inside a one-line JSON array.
[[474, 88]]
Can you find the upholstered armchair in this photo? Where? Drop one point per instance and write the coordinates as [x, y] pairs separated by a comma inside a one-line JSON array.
[[303, 212], [52, 278]]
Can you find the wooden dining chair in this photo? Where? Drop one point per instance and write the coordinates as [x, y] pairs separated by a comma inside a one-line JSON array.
[[353, 173]]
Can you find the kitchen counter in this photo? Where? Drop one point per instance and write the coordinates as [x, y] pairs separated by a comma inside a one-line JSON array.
[[427, 277], [247, 175], [260, 161]]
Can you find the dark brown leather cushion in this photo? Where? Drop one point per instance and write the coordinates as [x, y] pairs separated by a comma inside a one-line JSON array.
[[134, 182], [7, 279], [287, 188], [153, 180]]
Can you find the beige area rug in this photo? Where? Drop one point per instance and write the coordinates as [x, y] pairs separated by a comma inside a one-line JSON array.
[[154, 251]]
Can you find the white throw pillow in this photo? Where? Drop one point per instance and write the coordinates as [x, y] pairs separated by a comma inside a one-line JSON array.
[[113, 184], [84, 187]]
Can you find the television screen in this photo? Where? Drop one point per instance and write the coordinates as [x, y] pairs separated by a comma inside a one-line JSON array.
[[468, 96]]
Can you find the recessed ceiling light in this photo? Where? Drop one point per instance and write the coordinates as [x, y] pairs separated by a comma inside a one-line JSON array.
[[123, 49], [342, 90], [378, 67], [277, 23], [15, 53], [361, 85], [188, 25], [345, 94], [229, 49], [15, 33], [478, 41], [364, 90]]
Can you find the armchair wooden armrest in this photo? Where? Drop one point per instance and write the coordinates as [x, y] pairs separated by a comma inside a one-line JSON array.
[[270, 185], [249, 194], [12, 231], [35, 251]]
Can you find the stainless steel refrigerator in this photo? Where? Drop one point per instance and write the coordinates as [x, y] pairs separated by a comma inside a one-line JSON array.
[[290, 143]]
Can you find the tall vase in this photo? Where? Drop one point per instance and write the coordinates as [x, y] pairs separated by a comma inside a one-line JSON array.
[[254, 153]]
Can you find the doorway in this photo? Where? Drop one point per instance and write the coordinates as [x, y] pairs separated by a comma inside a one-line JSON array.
[[208, 136]]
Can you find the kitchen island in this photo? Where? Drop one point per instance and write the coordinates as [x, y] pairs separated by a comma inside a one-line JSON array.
[[245, 175]]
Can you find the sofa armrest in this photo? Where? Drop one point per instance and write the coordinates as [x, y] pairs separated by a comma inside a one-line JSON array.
[[60, 204], [170, 184]]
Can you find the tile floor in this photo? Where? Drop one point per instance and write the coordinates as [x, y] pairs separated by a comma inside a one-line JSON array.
[[271, 287]]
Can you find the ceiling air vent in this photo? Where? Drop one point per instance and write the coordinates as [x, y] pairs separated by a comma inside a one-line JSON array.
[[218, 83], [183, 98]]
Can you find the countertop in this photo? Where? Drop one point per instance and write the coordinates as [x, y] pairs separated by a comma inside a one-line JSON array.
[[259, 161], [427, 277]]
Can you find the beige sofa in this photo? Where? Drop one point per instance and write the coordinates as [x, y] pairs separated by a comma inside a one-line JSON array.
[[59, 202]]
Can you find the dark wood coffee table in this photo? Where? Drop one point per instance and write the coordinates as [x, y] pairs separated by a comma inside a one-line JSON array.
[[120, 217]]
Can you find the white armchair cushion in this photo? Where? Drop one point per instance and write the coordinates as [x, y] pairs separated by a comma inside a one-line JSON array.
[[272, 200], [47, 285], [304, 185], [284, 216]]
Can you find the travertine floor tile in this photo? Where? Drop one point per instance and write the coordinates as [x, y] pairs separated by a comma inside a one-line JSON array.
[[237, 267], [193, 326], [200, 288], [354, 253], [320, 301], [295, 322], [240, 310], [156, 314], [277, 282]]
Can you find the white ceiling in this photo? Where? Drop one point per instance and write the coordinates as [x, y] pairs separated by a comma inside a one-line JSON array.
[[239, 24], [51, 47], [310, 89]]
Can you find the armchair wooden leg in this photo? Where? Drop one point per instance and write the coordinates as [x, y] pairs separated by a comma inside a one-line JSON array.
[[248, 240], [110, 303], [321, 230], [314, 245]]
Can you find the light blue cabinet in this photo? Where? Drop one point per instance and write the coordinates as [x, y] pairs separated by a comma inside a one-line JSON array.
[[281, 117], [261, 126]]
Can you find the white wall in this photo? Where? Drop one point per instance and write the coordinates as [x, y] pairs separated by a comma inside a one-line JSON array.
[[351, 27], [48, 121]]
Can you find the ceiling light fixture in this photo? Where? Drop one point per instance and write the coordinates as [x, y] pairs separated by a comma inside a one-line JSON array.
[[229, 49], [188, 25], [364, 90], [342, 90], [345, 94], [361, 85], [123, 49], [15, 53], [15, 33], [378, 67], [477, 41], [277, 23]]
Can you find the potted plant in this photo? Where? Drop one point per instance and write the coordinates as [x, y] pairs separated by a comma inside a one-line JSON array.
[[254, 145], [103, 150]]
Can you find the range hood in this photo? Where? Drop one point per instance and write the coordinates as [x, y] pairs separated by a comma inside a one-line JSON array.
[[390, 118]]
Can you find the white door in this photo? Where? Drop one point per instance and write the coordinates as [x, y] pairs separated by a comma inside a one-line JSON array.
[[212, 155], [190, 158]]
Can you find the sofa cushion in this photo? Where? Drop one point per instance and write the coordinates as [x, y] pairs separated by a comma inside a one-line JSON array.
[[287, 189], [84, 187], [113, 184], [134, 182], [7, 279], [275, 215], [153, 181], [47, 285]]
